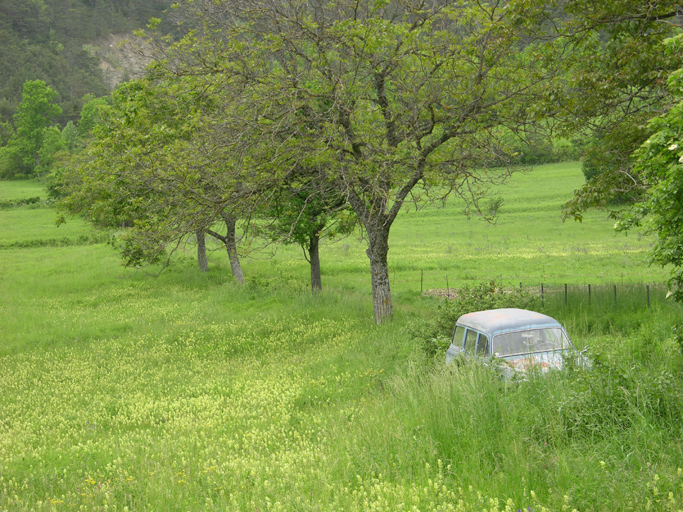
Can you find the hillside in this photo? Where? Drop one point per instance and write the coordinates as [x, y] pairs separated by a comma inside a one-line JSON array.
[[72, 45]]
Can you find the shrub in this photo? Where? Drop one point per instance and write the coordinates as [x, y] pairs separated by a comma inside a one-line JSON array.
[[435, 334], [617, 395], [13, 203], [95, 238]]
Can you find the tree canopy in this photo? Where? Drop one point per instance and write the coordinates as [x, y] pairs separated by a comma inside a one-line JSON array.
[[35, 138], [270, 104], [614, 82], [658, 164], [382, 96], [148, 168], [623, 90]]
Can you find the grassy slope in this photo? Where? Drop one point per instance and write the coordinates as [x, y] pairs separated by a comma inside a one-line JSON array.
[[21, 189], [529, 243], [187, 392]]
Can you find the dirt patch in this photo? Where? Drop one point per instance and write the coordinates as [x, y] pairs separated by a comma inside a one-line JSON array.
[[122, 57], [452, 293], [443, 293]]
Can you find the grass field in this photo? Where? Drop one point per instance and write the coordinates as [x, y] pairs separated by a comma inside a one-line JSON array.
[[121, 391], [529, 243]]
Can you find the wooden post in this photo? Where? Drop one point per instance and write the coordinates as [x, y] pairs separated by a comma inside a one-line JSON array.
[[448, 289], [565, 294], [589, 294], [542, 296]]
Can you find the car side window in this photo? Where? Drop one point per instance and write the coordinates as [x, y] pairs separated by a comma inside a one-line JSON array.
[[483, 345], [459, 336], [470, 340]]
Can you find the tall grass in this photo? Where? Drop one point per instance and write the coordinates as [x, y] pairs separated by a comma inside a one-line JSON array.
[[603, 312], [187, 392], [608, 439]]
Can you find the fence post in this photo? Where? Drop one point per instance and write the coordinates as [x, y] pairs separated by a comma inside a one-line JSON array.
[[448, 289], [615, 294], [542, 296], [565, 294], [589, 294]]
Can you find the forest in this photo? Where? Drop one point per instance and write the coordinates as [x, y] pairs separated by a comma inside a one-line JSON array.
[[56, 41]]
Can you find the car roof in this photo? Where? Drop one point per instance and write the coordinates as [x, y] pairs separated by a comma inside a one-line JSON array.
[[494, 321]]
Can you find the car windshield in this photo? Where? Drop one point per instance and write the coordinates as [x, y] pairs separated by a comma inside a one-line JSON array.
[[530, 341]]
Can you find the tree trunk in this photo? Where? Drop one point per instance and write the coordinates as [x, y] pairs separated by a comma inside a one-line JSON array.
[[377, 225], [231, 247], [314, 259], [378, 249], [201, 251]]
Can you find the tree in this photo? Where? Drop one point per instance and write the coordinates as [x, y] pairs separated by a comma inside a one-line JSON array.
[[144, 170], [90, 114], [659, 167], [614, 82], [70, 137], [304, 211], [6, 132], [202, 261], [75, 139], [629, 93], [52, 143], [230, 242], [385, 95], [35, 115]]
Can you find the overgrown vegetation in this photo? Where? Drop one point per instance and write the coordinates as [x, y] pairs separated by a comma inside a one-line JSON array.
[[434, 335], [83, 239], [582, 440], [13, 203], [189, 392]]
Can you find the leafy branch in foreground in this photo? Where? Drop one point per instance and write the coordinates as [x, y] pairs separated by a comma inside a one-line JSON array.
[[614, 82], [659, 164]]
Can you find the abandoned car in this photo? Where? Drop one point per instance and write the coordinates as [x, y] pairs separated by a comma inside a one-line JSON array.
[[519, 338]]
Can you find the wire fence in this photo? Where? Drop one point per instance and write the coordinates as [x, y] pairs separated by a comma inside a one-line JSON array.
[[603, 295], [632, 294]]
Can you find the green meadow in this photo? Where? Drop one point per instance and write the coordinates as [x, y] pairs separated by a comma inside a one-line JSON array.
[[124, 390]]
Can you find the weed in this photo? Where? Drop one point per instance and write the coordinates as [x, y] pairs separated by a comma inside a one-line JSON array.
[[14, 203], [434, 335]]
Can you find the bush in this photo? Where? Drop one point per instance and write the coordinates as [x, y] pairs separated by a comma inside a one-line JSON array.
[[13, 203], [619, 395], [435, 335], [95, 238], [540, 151]]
